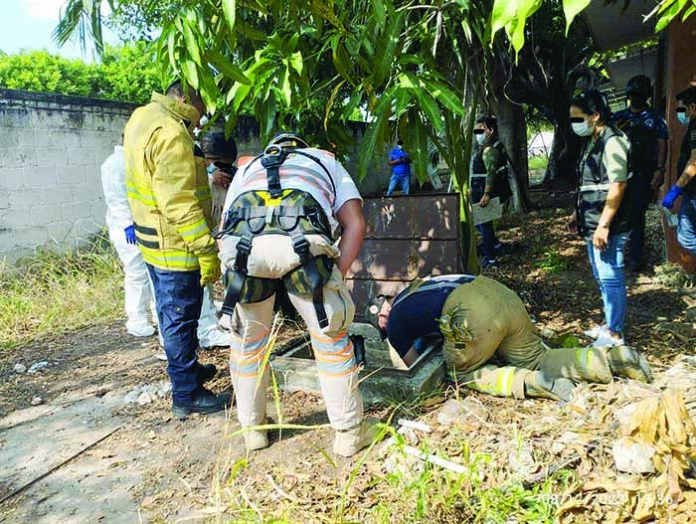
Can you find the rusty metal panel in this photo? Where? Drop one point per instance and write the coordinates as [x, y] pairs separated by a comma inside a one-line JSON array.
[[408, 237], [430, 216]]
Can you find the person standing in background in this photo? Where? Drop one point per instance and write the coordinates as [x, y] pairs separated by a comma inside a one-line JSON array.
[[647, 133], [685, 186], [400, 163], [136, 284]]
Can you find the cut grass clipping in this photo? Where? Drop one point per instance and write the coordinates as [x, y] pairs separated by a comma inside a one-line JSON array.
[[51, 293]]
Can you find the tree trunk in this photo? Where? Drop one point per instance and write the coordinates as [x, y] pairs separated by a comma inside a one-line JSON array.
[[512, 127], [560, 172]]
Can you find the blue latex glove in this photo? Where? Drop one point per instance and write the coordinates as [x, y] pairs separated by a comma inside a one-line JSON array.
[[673, 194], [130, 234]]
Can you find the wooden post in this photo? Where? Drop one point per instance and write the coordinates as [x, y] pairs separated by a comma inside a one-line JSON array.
[[680, 70]]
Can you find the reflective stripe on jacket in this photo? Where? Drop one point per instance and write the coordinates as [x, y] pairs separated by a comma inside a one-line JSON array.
[[167, 184]]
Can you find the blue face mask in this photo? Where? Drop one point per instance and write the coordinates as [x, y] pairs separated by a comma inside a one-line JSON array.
[[211, 169], [681, 115]]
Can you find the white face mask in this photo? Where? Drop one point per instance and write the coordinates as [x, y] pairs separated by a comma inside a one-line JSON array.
[[582, 128], [480, 138]]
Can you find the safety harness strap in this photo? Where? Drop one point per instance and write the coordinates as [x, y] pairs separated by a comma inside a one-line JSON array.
[[234, 292], [273, 157]]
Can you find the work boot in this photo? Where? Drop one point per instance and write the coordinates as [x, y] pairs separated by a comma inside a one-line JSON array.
[[205, 372], [255, 440], [348, 442], [624, 361], [140, 328], [203, 401], [538, 384], [215, 337]]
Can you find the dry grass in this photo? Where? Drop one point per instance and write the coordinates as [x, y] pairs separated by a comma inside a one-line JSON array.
[[50, 293]]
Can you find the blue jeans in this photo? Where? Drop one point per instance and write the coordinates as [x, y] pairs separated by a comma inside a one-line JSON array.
[[179, 298], [608, 270], [686, 229], [400, 182], [489, 238]]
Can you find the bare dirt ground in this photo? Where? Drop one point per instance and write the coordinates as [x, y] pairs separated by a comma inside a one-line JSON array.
[[82, 454]]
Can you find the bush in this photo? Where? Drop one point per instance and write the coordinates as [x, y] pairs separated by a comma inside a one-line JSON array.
[[128, 73]]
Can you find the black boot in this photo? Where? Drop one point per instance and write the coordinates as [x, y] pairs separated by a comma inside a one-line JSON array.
[[203, 401], [205, 372]]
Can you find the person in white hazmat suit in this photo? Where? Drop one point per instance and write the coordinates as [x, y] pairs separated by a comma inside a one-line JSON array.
[[138, 291]]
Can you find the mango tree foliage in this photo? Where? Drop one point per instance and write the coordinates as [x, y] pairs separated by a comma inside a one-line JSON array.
[[512, 16]]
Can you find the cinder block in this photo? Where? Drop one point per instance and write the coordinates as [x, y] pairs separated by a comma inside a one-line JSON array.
[[59, 195], [79, 156], [32, 237], [14, 218], [11, 137], [84, 228], [46, 214], [12, 178], [24, 199], [15, 117], [8, 241], [59, 232], [19, 157], [51, 156], [72, 211], [71, 175]]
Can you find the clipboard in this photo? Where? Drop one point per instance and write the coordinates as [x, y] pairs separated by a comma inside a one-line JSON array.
[[492, 211]]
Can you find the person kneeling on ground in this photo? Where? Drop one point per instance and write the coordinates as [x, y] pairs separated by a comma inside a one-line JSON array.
[[489, 343]]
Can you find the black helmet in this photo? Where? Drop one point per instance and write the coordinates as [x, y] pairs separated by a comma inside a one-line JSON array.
[[288, 140], [639, 85], [373, 309]]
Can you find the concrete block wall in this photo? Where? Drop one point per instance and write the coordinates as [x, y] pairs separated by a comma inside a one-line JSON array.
[[51, 151]]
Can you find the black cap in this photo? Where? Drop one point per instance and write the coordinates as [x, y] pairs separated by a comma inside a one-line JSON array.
[[639, 85]]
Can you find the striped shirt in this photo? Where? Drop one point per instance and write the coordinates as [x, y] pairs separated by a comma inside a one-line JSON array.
[[302, 173]]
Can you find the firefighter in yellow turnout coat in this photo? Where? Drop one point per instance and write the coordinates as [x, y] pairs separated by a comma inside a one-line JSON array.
[[169, 198]]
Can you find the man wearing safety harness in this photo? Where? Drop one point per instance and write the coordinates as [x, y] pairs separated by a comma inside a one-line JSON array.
[[280, 222], [489, 343]]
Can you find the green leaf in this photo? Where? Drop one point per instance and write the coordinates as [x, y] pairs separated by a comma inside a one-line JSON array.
[[380, 11], [572, 8], [227, 68], [285, 89], [445, 96], [188, 67], [191, 42], [504, 11], [229, 9], [296, 62]]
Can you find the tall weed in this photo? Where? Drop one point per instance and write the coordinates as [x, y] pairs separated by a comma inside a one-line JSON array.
[[51, 292]]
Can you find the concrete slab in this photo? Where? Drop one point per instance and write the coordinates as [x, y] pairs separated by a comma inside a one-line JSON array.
[[380, 380]]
